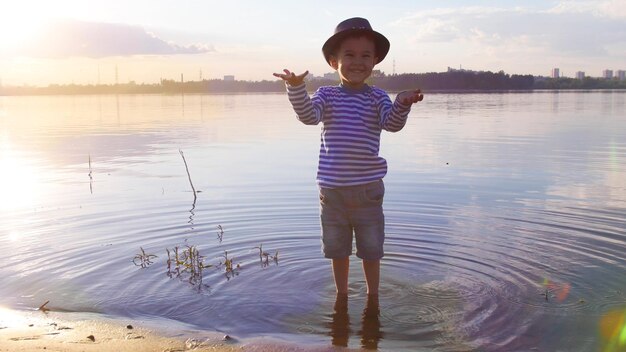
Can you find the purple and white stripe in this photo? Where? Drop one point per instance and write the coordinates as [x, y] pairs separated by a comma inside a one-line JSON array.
[[352, 121]]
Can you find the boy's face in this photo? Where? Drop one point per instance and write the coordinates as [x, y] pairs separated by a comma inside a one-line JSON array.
[[354, 61]]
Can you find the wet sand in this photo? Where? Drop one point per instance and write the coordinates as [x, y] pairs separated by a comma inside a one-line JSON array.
[[63, 332], [37, 331]]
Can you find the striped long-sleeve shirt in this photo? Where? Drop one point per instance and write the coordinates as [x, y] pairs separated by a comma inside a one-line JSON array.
[[352, 121]]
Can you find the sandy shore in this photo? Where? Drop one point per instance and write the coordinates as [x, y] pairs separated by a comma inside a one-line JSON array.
[[54, 331], [38, 331]]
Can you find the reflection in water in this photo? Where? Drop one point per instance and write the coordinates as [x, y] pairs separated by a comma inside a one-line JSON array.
[[191, 213], [193, 189], [182, 104], [117, 108], [340, 323], [220, 233], [90, 176], [555, 102], [370, 331], [370, 324]]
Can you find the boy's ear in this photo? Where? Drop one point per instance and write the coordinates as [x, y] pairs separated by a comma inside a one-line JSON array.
[[334, 63]]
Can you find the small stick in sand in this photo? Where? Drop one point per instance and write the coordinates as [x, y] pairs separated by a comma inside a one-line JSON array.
[[43, 307]]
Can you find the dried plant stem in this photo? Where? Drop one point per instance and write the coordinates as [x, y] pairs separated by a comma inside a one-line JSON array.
[[195, 196], [43, 307]]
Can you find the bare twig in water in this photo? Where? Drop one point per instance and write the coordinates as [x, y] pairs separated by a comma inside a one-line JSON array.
[[195, 196], [142, 259], [260, 248]]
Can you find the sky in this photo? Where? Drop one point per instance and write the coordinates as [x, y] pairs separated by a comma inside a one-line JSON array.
[[97, 41]]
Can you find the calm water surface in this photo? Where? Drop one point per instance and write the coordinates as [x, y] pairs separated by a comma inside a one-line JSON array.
[[506, 219]]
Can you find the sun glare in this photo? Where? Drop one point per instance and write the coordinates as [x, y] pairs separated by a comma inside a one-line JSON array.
[[18, 181], [9, 318], [19, 23]]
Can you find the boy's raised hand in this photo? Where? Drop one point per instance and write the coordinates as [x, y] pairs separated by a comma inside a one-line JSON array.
[[409, 97], [291, 78]]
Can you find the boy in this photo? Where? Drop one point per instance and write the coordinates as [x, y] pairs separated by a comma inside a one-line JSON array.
[[350, 172]]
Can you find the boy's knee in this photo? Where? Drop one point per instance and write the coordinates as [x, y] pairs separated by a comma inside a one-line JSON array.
[[370, 253]]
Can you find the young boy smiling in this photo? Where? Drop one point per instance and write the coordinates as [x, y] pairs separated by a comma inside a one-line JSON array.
[[350, 171]]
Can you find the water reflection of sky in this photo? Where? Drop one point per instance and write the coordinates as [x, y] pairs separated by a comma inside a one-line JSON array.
[[489, 196]]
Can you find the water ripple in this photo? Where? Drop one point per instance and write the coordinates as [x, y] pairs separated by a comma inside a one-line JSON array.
[[505, 228]]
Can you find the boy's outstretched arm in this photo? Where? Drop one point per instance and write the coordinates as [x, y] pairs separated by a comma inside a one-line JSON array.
[[393, 116], [308, 110], [409, 97], [291, 78]]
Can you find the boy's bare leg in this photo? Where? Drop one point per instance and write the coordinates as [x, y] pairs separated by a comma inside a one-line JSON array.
[[371, 269], [341, 268]]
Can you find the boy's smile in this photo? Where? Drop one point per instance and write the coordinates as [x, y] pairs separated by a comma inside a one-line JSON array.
[[354, 61]]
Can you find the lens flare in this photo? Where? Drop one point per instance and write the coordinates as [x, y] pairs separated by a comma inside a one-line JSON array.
[[560, 290], [613, 331]]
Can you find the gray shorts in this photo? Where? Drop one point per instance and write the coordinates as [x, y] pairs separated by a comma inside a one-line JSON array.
[[353, 209]]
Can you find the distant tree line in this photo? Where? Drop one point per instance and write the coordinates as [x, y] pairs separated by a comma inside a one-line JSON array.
[[455, 80], [433, 81]]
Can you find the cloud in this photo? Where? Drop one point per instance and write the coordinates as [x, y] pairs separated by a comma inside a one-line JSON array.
[[612, 8], [572, 28], [70, 38]]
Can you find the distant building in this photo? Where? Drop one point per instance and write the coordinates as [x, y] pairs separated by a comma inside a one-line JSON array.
[[607, 74], [580, 75], [555, 73], [229, 78], [621, 75], [325, 77]]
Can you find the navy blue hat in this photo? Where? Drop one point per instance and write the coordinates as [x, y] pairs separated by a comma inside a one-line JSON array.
[[352, 26]]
